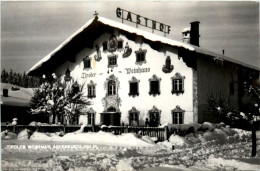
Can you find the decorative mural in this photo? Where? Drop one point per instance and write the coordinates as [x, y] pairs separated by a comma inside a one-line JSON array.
[[98, 56], [127, 51], [111, 99], [167, 68], [112, 43]]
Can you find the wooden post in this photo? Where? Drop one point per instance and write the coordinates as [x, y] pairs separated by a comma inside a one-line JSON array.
[[14, 129], [166, 130]]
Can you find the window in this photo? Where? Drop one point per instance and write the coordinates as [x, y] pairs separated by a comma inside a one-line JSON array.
[[140, 56], [120, 44], [111, 87], [112, 61], [154, 116], [178, 84], [177, 115], [133, 117], [91, 90], [91, 116], [87, 63], [105, 46], [154, 85], [133, 87]]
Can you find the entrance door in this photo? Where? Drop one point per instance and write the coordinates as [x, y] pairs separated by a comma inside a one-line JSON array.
[[111, 118]]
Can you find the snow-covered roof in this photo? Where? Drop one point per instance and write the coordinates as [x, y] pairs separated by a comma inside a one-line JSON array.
[[146, 35], [186, 29]]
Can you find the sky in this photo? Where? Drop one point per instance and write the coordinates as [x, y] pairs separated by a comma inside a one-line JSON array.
[[31, 30]]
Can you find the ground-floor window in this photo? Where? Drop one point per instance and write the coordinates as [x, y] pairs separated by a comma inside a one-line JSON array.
[[133, 117], [178, 115], [154, 117], [91, 116]]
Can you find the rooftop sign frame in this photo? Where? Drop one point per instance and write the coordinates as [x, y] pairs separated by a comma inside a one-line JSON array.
[[143, 21]]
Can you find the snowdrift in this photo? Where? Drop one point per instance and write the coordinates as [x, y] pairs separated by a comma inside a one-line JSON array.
[[99, 138], [206, 133]]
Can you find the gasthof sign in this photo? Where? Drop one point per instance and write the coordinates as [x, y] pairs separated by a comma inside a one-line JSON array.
[[140, 20]]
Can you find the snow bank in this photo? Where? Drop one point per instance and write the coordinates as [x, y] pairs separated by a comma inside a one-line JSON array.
[[179, 141], [217, 163], [99, 138], [206, 126]]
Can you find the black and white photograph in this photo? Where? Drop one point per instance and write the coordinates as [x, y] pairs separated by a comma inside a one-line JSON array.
[[130, 85]]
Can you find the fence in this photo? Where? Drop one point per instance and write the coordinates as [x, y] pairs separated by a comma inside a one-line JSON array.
[[161, 134]]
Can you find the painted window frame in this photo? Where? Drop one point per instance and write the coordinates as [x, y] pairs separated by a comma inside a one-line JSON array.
[[178, 115], [133, 115], [134, 80], [87, 60], [177, 80], [91, 116], [91, 89], [138, 53], [111, 57], [157, 79], [111, 88], [157, 112]]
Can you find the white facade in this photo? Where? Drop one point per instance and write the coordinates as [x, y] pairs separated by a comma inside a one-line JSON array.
[[100, 72]]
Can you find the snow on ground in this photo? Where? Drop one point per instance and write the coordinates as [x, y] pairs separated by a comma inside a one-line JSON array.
[[219, 149], [99, 138]]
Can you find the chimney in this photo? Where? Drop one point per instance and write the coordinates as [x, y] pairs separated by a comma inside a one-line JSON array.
[[194, 33], [5, 92], [186, 35]]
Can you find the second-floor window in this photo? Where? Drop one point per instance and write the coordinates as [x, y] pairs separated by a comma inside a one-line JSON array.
[[91, 89], [134, 87], [154, 85], [112, 61], [177, 83], [111, 87]]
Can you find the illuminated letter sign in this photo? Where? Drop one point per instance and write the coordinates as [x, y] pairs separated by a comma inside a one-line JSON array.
[[140, 20]]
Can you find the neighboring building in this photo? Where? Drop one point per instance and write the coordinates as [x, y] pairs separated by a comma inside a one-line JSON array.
[[15, 103], [132, 75]]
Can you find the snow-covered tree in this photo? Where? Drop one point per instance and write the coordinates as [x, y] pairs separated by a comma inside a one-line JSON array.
[[61, 101]]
